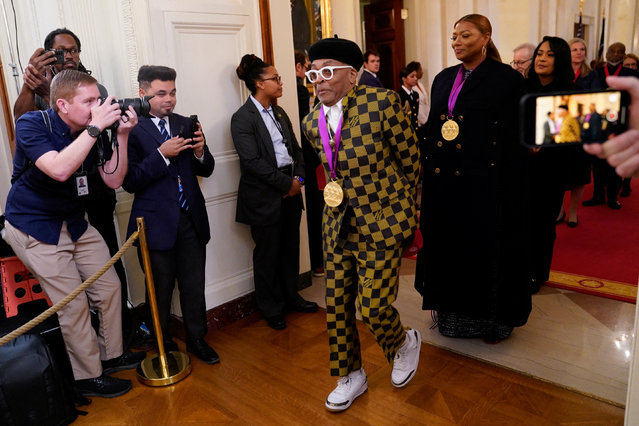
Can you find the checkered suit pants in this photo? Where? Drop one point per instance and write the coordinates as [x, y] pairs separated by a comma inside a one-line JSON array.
[[358, 275]]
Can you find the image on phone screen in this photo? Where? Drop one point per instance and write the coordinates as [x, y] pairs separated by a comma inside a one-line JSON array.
[[575, 118]]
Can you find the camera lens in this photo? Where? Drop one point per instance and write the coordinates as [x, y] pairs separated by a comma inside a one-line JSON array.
[[141, 106]]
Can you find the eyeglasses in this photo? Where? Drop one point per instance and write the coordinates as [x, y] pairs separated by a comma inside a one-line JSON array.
[[72, 52], [326, 73], [520, 63], [277, 78]]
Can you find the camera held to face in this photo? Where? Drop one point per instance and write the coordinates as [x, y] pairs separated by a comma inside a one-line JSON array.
[[108, 138], [141, 106]]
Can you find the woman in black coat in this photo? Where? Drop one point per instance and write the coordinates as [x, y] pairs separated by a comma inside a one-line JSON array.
[[552, 170], [472, 268]]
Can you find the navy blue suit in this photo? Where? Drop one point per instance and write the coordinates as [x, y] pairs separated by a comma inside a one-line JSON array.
[[177, 238], [369, 79]]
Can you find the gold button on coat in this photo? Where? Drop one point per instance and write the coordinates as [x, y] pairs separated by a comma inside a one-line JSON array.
[[458, 146], [457, 173], [440, 144], [437, 170]]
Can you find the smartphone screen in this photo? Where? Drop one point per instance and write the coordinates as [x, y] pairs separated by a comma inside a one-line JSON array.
[[575, 117]]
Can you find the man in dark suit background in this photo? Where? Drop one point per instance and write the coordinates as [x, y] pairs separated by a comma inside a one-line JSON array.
[[162, 174], [371, 68], [613, 66]]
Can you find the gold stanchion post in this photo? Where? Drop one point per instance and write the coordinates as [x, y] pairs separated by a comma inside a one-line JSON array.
[[164, 368]]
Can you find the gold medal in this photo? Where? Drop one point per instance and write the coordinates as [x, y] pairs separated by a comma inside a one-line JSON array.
[[450, 130], [333, 194]]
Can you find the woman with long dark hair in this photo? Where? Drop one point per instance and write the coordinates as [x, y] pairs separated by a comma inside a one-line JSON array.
[[269, 196], [472, 269], [552, 171]]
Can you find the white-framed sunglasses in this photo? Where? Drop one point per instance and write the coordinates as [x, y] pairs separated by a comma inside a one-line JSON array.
[[326, 73]]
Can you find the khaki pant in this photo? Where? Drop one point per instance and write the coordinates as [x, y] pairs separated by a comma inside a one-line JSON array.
[[60, 269]]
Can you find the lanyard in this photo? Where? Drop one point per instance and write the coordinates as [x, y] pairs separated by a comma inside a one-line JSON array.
[[277, 123], [454, 93], [331, 156], [608, 72]]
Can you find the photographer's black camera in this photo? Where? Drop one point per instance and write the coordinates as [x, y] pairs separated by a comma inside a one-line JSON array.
[[141, 106]]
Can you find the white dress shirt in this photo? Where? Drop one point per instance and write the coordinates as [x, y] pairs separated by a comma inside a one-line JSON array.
[[281, 152]]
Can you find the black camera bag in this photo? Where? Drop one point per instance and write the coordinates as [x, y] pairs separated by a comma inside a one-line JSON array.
[[32, 389]]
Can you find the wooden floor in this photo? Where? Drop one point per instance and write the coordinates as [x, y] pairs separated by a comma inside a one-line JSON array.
[[269, 377]]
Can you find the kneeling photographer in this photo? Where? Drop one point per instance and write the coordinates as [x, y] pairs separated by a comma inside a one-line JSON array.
[[46, 226]]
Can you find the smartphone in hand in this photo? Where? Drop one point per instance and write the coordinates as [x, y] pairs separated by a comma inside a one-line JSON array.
[[575, 117]]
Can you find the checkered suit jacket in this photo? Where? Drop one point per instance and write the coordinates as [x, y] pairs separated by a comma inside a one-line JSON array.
[[378, 167]]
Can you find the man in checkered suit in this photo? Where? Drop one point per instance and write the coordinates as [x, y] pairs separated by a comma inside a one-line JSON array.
[[377, 167]]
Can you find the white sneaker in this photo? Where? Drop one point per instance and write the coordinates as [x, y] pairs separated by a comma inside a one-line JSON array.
[[406, 359], [348, 388]]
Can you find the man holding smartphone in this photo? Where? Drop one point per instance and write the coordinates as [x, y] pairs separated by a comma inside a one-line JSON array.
[[163, 175], [43, 66]]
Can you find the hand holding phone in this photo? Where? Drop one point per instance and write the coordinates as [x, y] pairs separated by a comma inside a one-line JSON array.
[[622, 151], [191, 128]]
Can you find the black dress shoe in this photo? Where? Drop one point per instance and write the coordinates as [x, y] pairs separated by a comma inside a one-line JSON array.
[[302, 305], [203, 351], [592, 202], [104, 386], [276, 322], [614, 204], [624, 193], [126, 361]]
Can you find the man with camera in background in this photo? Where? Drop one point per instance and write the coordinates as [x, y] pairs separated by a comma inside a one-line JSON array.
[[167, 153], [62, 51], [45, 223]]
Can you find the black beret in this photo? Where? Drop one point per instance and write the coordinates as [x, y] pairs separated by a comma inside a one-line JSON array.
[[339, 49]]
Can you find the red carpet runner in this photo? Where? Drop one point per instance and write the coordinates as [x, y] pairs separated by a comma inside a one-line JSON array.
[[601, 255]]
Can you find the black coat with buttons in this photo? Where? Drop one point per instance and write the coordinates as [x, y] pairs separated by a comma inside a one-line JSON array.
[[473, 209]]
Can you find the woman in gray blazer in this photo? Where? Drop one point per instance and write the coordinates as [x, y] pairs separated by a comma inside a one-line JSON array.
[[269, 196]]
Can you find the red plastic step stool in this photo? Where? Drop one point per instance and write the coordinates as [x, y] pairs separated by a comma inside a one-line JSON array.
[[18, 285]]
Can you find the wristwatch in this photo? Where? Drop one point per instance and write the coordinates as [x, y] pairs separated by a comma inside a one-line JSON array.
[[93, 131], [300, 179]]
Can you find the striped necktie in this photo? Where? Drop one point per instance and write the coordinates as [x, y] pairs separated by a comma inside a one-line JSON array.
[[163, 132], [181, 198]]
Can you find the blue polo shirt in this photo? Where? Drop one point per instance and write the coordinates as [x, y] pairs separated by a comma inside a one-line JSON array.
[[37, 204]]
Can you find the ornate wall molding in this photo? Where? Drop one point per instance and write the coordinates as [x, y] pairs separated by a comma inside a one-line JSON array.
[[130, 43]]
